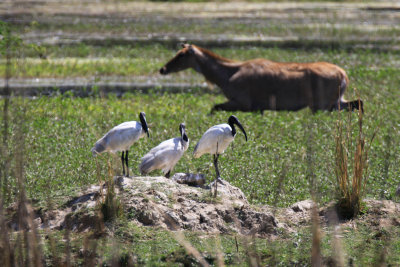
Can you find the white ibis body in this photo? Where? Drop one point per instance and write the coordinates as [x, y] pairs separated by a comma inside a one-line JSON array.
[[216, 139], [165, 156], [121, 138]]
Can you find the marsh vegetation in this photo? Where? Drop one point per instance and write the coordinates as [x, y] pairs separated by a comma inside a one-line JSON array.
[[290, 156]]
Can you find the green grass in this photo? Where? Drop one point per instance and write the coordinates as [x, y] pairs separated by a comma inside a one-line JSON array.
[[258, 26], [271, 168], [60, 132], [150, 246], [145, 60], [127, 18]]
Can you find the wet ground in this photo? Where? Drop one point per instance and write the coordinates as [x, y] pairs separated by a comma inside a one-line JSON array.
[[88, 86]]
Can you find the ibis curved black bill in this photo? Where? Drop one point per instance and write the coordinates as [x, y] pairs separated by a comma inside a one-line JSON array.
[[142, 117], [233, 120], [182, 129]]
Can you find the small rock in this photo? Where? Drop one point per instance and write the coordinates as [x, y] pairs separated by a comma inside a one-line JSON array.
[[148, 217], [203, 218], [119, 180], [191, 179], [189, 217], [227, 217], [172, 219], [161, 196], [225, 188], [302, 205]]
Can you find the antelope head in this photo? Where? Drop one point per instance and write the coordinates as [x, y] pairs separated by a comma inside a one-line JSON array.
[[184, 59]]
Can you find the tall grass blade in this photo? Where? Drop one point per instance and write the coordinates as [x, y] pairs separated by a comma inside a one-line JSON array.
[[5, 157], [190, 249], [316, 259], [351, 187]]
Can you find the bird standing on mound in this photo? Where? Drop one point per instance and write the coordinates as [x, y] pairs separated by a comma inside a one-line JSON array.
[[121, 138], [165, 156], [215, 140]]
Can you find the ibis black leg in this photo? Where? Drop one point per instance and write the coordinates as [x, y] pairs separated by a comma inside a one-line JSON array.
[[216, 165], [216, 173], [123, 163], [126, 162], [168, 174]]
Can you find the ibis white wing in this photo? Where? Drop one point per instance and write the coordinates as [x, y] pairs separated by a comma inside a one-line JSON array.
[[218, 136], [121, 137], [164, 156]]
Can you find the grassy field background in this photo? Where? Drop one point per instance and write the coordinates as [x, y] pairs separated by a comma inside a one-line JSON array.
[[285, 149], [60, 132]]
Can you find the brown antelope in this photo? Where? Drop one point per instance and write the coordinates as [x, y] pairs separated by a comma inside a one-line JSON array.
[[260, 84]]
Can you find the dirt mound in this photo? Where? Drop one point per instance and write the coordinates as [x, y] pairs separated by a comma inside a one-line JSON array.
[[377, 214], [161, 202]]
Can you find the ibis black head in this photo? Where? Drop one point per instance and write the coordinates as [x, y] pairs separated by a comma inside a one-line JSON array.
[[142, 117], [182, 128], [233, 120]]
